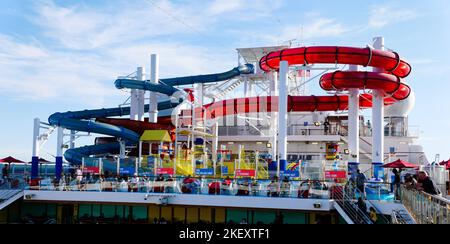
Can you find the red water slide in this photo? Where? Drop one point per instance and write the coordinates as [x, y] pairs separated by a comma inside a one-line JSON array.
[[390, 81]]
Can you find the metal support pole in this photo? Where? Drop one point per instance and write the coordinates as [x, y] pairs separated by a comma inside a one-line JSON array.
[[35, 158], [140, 153], [153, 112], [138, 98], [353, 127], [72, 139], [274, 120], [282, 116], [215, 145], [59, 153], [378, 119]]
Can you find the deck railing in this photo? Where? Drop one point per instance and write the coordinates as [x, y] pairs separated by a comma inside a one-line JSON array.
[[426, 208]]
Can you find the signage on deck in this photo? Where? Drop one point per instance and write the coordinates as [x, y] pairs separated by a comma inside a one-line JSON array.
[[335, 174], [165, 171], [91, 170], [245, 172], [127, 171], [205, 172], [290, 173], [224, 170]]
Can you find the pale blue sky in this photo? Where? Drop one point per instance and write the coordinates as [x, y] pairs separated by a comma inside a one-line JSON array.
[[65, 55]]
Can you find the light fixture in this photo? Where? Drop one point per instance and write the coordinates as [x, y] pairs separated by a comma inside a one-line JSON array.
[[269, 145], [317, 205], [230, 143], [341, 143], [317, 124], [346, 151], [259, 143], [315, 143]]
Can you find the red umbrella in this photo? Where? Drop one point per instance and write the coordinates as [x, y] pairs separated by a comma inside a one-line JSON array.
[[11, 160], [42, 161], [446, 164], [400, 164]]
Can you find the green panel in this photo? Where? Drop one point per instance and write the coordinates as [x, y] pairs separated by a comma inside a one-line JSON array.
[[109, 211], [84, 210], [126, 212], [140, 212], [96, 210], [35, 210], [51, 210], [236, 215], [294, 218], [264, 217]]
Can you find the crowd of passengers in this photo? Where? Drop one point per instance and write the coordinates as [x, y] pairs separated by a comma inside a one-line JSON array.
[[187, 185]]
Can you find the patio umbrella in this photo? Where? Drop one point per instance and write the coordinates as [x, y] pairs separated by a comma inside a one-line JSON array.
[[11, 160], [446, 164], [42, 161], [400, 164]]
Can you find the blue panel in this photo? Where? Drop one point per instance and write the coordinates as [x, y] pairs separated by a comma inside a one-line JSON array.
[[58, 167], [34, 167]]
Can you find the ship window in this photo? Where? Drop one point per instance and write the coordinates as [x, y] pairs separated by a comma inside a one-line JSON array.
[[294, 218], [84, 210], [109, 211], [140, 213], [236, 215], [96, 210], [263, 217]]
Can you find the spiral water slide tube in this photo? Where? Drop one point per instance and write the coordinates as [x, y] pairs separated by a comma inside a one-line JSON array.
[[84, 120], [391, 81]]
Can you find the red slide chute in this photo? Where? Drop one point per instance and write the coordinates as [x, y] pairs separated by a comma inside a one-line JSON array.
[[390, 81]]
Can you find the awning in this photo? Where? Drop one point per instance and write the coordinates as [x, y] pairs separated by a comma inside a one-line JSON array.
[[11, 160], [400, 164], [156, 136], [195, 133]]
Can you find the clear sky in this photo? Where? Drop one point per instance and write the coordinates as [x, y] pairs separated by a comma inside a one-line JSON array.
[[65, 55]]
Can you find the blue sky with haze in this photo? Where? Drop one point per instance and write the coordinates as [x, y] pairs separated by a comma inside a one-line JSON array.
[[65, 55]]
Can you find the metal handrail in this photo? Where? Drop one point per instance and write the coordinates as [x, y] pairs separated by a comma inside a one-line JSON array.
[[347, 203], [426, 208]]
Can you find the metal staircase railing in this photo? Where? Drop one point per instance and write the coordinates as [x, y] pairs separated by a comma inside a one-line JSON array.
[[345, 199]]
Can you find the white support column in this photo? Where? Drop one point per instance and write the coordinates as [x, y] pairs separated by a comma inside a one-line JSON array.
[[378, 117], [215, 145], [140, 153], [72, 139], [122, 153], [138, 98], [274, 115], [35, 156], [153, 112], [353, 127], [282, 116], [59, 153], [134, 105], [59, 142], [353, 121], [36, 132], [198, 97]]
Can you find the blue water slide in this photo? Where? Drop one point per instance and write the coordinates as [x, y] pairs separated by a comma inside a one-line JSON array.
[[82, 120], [180, 81]]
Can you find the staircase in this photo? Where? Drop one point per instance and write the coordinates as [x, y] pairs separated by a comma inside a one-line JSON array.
[[402, 217], [9, 196], [222, 90], [346, 205]]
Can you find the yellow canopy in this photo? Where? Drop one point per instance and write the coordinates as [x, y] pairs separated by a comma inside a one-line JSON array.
[[156, 136], [196, 133]]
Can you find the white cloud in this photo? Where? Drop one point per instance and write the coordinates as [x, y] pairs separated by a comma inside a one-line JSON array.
[[225, 6], [383, 16], [319, 28], [83, 28]]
